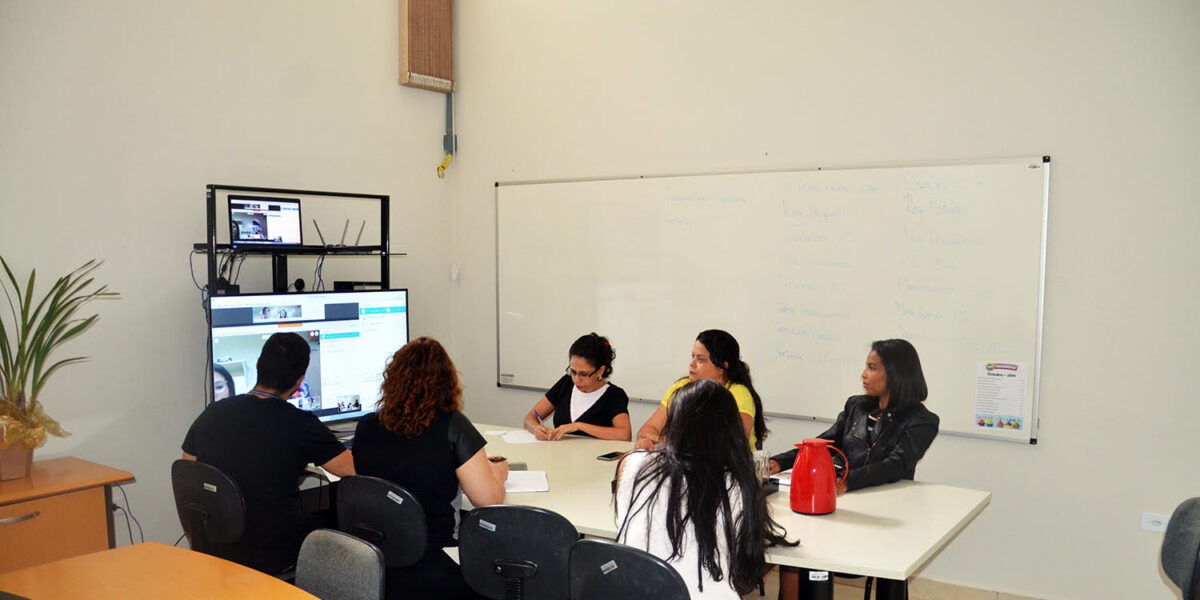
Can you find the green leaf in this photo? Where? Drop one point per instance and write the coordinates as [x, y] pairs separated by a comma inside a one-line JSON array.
[[37, 329]]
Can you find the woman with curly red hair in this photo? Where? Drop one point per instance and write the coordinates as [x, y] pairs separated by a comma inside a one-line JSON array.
[[419, 439]]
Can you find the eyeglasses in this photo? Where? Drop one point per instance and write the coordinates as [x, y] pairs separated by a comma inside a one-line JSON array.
[[573, 373]]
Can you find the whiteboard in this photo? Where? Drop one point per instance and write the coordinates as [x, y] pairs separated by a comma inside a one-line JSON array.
[[805, 268]]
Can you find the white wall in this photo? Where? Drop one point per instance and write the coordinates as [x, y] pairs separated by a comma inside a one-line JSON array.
[[113, 118], [114, 115], [1110, 89]]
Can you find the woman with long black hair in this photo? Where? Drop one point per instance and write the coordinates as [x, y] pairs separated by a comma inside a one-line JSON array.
[[696, 501], [716, 355]]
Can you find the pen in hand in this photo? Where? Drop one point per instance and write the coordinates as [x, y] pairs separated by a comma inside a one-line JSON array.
[[542, 430]]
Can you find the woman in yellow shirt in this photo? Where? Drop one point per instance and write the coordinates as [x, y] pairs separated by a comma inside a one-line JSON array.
[[716, 355]]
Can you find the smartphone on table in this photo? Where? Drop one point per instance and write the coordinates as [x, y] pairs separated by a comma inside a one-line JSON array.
[[610, 456]]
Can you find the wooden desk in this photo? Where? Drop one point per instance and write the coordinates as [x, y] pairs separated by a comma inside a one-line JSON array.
[[60, 510], [149, 570], [888, 531]]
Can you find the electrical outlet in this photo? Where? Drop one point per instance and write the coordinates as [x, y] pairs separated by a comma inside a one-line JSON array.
[[1154, 522]]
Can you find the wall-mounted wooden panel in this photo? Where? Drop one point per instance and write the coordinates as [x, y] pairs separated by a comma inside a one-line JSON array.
[[427, 44]]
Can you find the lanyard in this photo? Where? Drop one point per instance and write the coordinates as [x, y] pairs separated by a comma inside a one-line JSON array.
[[265, 394]]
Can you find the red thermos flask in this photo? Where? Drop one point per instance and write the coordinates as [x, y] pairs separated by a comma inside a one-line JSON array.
[[814, 485]]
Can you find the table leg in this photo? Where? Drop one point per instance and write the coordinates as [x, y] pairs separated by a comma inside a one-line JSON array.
[[891, 589], [108, 510], [816, 585]]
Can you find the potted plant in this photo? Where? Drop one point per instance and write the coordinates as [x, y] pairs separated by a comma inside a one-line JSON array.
[[30, 331]]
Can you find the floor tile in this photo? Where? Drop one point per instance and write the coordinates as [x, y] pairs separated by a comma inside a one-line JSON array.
[[924, 589]]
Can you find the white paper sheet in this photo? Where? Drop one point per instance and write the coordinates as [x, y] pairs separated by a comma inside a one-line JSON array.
[[526, 481], [520, 436], [783, 477]]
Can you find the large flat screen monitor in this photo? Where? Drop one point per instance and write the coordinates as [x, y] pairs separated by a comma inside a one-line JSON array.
[[352, 335], [263, 221]]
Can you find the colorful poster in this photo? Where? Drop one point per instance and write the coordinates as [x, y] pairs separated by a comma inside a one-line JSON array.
[[1000, 395]]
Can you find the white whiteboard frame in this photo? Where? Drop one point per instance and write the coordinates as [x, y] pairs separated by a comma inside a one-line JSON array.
[[1043, 161]]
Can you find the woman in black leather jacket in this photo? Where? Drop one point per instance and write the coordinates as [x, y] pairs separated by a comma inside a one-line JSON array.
[[883, 432]]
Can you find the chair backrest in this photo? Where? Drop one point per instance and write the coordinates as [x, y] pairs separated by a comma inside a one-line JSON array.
[[384, 514], [1181, 548], [338, 566], [210, 504], [601, 570], [516, 552]]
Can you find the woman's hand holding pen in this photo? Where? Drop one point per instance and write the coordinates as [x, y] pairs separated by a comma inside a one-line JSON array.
[[540, 431]]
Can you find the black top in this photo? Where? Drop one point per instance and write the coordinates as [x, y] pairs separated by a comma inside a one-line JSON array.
[[613, 402], [884, 453], [263, 444], [424, 465]]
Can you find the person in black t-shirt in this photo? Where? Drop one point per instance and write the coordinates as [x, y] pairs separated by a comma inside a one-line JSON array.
[[263, 444], [419, 440], [583, 401]]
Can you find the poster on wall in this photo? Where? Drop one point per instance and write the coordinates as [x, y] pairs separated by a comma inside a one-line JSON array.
[[1000, 395]]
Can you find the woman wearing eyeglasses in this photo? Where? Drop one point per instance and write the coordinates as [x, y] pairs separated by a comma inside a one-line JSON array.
[[583, 401]]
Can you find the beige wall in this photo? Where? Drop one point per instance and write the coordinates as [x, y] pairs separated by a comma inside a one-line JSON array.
[[1110, 89], [113, 118], [114, 115]]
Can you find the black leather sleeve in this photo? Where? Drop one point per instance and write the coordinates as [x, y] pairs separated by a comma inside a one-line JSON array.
[[916, 435], [465, 440]]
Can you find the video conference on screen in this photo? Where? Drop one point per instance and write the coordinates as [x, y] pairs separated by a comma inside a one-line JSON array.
[[351, 335], [264, 220]]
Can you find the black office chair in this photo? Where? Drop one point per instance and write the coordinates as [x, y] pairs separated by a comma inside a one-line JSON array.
[[337, 566], [604, 570], [384, 514], [210, 504], [1181, 548], [516, 552]]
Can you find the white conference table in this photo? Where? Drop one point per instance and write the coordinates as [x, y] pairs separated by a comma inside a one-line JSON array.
[[889, 531]]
